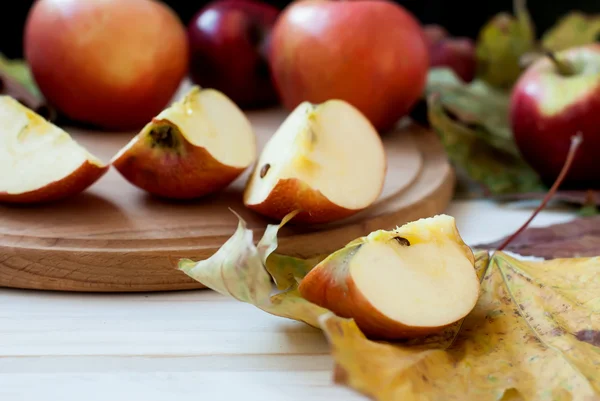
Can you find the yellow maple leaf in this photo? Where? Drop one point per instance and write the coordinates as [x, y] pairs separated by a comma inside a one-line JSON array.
[[534, 335]]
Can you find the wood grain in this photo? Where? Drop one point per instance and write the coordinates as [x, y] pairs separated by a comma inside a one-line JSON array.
[[116, 238]]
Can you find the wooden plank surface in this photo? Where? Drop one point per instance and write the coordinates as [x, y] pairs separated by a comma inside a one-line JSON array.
[[184, 346]]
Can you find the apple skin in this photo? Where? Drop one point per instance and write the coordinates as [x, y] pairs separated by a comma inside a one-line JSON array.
[[372, 54], [108, 63], [237, 30], [181, 177], [78, 181], [434, 33], [290, 195], [544, 138], [457, 54]]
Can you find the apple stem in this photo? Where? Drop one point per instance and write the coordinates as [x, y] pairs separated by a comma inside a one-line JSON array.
[[564, 67], [575, 143]]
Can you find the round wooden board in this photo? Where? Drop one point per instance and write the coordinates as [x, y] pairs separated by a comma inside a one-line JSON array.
[[116, 238]]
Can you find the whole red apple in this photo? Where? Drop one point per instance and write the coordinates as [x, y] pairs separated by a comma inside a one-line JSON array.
[[111, 63], [553, 101], [229, 45], [457, 54], [370, 53]]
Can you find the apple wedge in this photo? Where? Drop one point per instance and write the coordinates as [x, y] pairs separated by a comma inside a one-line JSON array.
[[408, 282], [325, 160], [195, 147], [40, 162]]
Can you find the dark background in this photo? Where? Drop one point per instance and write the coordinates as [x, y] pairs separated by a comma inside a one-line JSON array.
[[461, 18]]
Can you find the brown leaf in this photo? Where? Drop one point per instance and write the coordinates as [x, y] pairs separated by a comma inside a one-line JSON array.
[[523, 341], [577, 238]]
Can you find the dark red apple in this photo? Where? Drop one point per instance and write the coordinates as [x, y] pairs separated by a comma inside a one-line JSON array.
[[552, 101], [370, 53], [457, 54], [229, 45], [111, 63], [434, 33]]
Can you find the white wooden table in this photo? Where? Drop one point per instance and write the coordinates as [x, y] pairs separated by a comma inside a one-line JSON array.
[[183, 346]]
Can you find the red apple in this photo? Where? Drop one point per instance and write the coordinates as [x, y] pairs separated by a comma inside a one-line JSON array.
[[370, 53], [229, 42], [195, 147], [39, 162], [553, 100], [457, 54], [434, 33], [111, 63]]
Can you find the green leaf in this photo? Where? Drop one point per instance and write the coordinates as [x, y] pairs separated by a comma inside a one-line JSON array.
[[20, 72], [574, 29], [477, 105], [491, 162], [501, 44]]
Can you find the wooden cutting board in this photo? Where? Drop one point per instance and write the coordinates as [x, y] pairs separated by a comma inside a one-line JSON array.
[[116, 238]]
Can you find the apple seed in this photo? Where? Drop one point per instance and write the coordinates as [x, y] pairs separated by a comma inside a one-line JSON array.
[[264, 170], [402, 241]]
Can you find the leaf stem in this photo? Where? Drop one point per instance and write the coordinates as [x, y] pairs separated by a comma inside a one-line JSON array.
[[575, 142]]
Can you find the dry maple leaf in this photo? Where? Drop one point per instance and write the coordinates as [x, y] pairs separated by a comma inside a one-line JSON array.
[[534, 335], [577, 238], [245, 271]]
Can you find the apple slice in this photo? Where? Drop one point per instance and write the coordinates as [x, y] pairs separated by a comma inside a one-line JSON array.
[[325, 160], [40, 162], [411, 281], [196, 146]]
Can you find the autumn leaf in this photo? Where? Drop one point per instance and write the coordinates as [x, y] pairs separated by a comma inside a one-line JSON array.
[[19, 71], [490, 162], [288, 270], [238, 269], [577, 238], [476, 105], [501, 44], [573, 29], [534, 335]]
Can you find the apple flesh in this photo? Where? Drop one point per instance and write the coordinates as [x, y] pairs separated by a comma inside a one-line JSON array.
[[110, 63], [325, 160], [370, 53], [548, 107], [408, 282], [195, 147], [39, 162], [229, 44]]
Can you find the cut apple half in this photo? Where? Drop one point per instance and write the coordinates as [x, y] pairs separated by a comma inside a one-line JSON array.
[[325, 160], [196, 146], [408, 282], [40, 162]]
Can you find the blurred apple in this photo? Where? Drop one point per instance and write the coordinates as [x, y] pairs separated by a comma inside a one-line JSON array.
[[370, 53], [111, 63], [434, 33], [229, 42], [457, 54], [553, 100]]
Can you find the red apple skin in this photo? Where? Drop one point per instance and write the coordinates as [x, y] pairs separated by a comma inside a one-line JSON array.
[[229, 45], [370, 53], [457, 54], [182, 172], [434, 33], [290, 195], [543, 139], [76, 182], [110, 63]]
